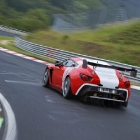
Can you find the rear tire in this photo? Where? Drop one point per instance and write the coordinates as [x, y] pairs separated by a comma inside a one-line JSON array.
[[45, 80], [67, 89]]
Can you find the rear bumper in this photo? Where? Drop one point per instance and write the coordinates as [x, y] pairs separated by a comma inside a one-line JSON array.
[[92, 91], [106, 99]]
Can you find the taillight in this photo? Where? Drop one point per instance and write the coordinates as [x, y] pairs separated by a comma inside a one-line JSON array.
[[127, 84], [85, 77]]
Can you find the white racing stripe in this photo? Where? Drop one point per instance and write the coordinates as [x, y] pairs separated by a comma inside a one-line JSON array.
[[108, 77], [67, 70], [10, 132]]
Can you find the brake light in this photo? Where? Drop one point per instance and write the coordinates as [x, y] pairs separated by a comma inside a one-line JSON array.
[[85, 77], [127, 84]]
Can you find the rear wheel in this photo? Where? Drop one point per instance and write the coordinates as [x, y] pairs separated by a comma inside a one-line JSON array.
[[45, 80], [67, 89]]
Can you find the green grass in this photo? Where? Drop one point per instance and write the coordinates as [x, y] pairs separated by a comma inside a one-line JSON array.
[[10, 46], [118, 42], [134, 83]]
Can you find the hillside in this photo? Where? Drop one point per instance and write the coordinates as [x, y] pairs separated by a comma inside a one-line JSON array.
[[22, 14], [25, 14], [117, 42]]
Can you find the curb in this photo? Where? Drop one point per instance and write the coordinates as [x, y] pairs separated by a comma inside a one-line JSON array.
[[24, 56], [41, 61]]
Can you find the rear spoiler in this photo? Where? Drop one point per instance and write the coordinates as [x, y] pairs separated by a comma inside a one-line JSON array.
[[133, 71]]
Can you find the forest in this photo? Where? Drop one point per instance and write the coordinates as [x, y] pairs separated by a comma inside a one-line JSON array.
[[35, 15]]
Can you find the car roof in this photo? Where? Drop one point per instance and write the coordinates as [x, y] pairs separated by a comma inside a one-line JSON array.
[[89, 60], [76, 59]]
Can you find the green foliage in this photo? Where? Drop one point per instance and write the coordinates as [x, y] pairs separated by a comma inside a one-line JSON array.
[[91, 3], [35, 20], [64, 39], [6, 11], [129, 35], [31, 21], [25, 5], [25, 14], [28, 15], [63, 4]]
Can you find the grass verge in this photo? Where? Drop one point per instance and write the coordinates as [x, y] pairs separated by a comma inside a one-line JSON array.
[[134, 83]]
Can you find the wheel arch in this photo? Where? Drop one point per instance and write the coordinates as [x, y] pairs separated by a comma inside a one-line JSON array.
[[71, 83]]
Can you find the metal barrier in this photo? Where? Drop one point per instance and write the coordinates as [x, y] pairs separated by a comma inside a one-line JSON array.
[[12, 30], [57, 54]]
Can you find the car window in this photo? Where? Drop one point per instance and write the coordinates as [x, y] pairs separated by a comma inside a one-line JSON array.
[[65, 62], [69, 63]]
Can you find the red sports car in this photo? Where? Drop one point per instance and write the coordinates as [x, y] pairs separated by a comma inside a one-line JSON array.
[[90, 80]]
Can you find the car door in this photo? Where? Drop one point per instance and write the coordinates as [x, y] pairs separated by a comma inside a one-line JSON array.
[[58, 74], [59, 71]]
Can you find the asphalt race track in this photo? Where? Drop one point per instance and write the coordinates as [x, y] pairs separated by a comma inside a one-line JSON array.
[[43, 114]]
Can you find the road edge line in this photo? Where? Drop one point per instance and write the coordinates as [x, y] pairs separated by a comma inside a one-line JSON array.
[[135, 87], [10, 132]]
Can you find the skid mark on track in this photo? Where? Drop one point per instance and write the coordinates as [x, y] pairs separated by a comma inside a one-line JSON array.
[[48, 99], [52, 99], [64, 117], [65, 102]]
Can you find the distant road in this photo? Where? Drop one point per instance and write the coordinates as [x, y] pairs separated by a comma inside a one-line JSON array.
[[3, 33]]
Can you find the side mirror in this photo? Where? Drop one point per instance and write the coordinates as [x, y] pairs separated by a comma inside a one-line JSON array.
[[58, 63]]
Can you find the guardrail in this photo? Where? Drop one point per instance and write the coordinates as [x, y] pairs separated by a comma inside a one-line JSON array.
[[57, 54], [12, 30]]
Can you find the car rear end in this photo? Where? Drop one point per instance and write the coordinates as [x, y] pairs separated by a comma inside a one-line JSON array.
[[104, 84]]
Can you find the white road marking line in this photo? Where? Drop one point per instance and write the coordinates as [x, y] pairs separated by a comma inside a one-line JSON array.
[[23, 82], [10, 123], [135, 87], [7, 73]]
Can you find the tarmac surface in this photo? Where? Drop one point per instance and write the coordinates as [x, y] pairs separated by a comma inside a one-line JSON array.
[[43, 114]]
